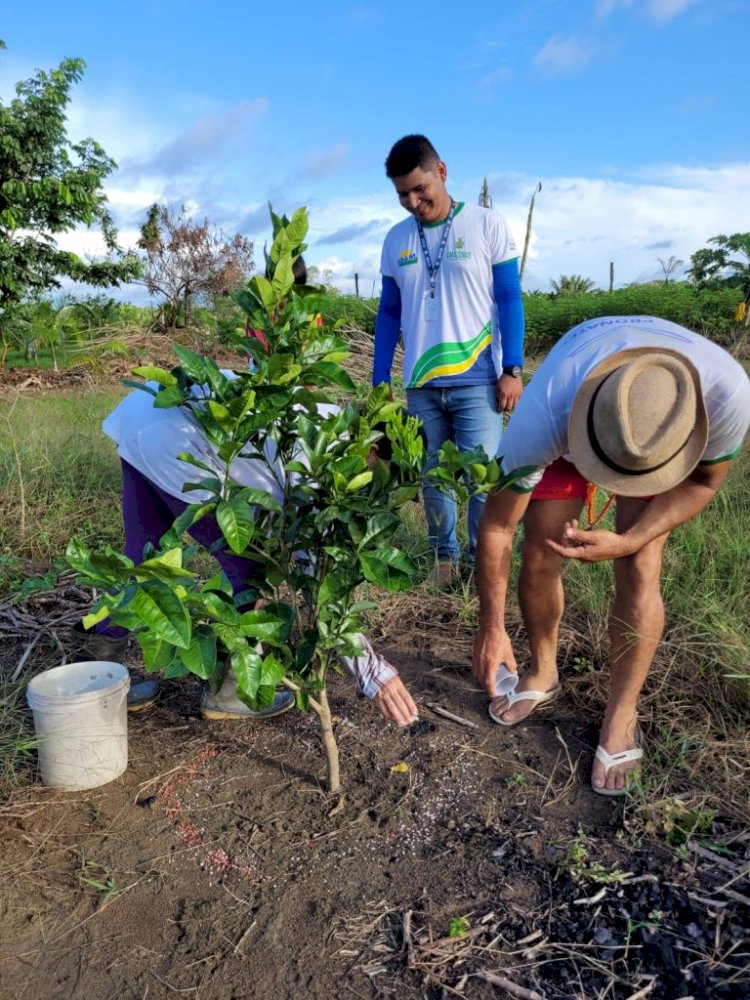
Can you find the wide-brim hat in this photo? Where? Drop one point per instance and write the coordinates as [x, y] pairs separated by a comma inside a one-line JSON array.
[[638, 425]]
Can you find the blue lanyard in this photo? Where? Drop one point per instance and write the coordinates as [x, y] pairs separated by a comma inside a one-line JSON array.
[[433, 269]]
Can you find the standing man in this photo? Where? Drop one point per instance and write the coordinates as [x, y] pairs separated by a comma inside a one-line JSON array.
[[649, 411], [451, 287]]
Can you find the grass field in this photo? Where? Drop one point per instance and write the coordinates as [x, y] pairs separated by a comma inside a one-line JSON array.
[[59, 477]]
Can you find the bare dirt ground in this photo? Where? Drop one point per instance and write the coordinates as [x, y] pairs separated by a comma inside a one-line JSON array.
[[468, 860]]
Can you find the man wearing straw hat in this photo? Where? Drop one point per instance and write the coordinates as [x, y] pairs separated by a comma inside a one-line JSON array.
[[650, 412]]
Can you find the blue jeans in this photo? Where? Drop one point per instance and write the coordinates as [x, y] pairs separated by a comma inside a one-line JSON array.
[[468, 416]]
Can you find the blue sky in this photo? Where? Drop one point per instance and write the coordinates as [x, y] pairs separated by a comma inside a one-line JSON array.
[[632, 113]]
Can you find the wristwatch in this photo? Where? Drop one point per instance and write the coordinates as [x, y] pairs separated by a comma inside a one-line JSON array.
[[513, 370]]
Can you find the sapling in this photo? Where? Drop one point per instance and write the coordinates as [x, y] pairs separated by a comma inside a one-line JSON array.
[[325, 525]]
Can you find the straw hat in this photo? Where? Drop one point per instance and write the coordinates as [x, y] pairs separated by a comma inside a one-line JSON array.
[[638, 425]]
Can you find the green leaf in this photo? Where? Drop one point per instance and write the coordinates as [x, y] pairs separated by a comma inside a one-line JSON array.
[[163, 612], [363, 479], [217, 607], [158, 654], [264, 291], [166, 567], [236, 521], [192, 364], [264, 625], [247, 665], [388, 568], [154, 374], [171, 396], [258, 498], [200, 656]]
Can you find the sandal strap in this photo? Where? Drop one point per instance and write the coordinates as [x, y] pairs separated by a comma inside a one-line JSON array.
[[610, 760], [535, 696]]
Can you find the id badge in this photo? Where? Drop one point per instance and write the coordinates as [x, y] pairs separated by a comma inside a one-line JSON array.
[[430, 309]]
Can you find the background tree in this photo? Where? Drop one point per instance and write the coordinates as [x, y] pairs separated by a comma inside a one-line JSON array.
[[186, 260], [727, 262], [571, 284], [669, 266], [49, 186]]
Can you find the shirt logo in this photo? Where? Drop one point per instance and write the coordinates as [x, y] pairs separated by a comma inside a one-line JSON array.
[[459, 251], [407, 257]]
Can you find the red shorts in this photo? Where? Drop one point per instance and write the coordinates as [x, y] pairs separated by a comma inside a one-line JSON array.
[[562, 481]]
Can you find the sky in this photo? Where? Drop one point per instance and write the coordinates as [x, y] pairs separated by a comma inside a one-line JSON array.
[[632, 114]]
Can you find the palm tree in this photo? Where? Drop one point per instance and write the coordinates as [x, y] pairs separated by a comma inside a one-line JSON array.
[[571, 284]]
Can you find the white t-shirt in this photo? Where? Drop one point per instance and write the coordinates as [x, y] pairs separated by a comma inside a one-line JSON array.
[[537, 434], [460, 344], [150, 439]]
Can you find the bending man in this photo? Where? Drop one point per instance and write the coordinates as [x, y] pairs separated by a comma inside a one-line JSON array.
[[649, 411]]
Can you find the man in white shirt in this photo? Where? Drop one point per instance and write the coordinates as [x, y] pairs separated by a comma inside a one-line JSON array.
[[451, 291], [649, 411]]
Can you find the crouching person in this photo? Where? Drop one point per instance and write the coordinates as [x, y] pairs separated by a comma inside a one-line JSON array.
[[650, 412], [148, 440]]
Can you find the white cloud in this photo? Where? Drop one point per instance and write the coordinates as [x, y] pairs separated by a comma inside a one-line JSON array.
[[660, 11], [325, 162], [580, 223], [560, 56], [606, 7], [663, 11]]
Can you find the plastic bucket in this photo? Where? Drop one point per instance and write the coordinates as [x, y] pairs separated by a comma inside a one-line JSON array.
[[81, 723]]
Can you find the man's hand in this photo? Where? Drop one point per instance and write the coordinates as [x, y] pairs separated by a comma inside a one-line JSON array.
[[508, 391], [395, 703], [590, 546], [492, 647]]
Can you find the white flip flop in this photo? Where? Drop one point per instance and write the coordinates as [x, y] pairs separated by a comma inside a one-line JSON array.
[[538, 697], [610, 760]]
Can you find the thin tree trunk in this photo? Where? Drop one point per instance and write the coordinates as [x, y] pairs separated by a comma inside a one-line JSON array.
[[329, 741], [537, 189]]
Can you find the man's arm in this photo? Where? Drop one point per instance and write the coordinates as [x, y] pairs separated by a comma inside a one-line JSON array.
[[502, 512], [378, 680], [506, 288], [665, 512], [387, 331]]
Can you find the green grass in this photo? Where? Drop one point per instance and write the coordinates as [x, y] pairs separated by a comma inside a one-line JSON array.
[[59, 477]]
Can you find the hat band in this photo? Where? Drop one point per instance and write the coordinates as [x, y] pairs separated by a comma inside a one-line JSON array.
[[604, 457]]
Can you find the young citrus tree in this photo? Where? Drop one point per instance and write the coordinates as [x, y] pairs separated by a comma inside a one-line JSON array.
[[325, 525]]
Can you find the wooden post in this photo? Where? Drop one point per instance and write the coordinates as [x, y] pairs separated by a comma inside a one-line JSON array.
[[611, 275], [537, 189], [356, 284]]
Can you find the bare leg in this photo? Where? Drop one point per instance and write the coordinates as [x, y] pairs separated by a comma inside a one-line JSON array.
[[635, 628], [540, 593]]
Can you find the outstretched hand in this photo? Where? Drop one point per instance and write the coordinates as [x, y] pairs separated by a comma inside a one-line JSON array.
[[492, 647], [395, 703], [589, 546]]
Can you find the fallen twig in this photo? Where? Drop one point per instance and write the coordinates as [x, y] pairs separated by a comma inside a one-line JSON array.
[[439, 710], [408, 943], [716, 859], [591, 900], [507, 984], [26, 654]]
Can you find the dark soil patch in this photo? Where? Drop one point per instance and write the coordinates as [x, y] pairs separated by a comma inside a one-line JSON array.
[[211, 869]]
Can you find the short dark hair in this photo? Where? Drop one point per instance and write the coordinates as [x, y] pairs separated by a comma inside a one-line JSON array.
[[409, 153]]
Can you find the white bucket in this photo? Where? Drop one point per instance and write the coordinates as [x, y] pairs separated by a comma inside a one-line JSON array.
[[81, 723]]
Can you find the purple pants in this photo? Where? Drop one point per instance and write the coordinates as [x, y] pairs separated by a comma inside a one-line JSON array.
[[148, 512]]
